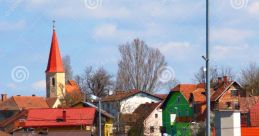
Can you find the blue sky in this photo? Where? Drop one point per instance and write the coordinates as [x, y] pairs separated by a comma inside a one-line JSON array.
[[91, 35]]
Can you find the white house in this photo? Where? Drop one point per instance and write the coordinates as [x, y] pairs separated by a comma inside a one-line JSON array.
[[127, 102]]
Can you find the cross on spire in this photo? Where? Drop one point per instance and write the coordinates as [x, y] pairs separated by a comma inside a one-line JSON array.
[[54, 24]]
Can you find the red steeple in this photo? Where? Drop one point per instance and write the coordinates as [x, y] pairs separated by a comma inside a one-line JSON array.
[[55, 61]]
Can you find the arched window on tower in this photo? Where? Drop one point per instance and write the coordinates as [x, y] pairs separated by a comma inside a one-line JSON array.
[[53, 82]]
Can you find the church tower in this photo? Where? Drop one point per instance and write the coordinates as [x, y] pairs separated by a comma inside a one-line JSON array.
[[55, 73]]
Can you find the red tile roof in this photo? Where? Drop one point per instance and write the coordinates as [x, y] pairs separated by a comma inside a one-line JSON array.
[[247, 102], [23, 102], [55, 61], [48, 117]]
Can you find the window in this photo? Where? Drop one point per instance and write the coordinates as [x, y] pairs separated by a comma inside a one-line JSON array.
[[179, 113], [156, 115], [234, 92], [236, 104], [187, 112], [152, 129], [178, 99], [53, 82], [228, 104]]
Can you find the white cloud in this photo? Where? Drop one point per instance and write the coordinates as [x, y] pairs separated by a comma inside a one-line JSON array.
[[228, 35], [39, 85], [12, 86], [111, 32], [177, 51], [12, 26], [254, 8]]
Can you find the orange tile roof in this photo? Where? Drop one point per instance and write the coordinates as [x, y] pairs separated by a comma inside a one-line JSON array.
[[72, 87], [185, 89], [55, 61], [199, 95], [23, 102]]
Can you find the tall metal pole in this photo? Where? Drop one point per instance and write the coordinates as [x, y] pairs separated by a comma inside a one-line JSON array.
[[100, 118], [207, 71]]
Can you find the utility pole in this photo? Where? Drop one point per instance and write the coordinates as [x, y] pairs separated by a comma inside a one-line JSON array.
[[207, 71]]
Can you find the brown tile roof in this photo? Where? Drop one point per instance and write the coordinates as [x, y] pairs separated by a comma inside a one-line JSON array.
[[4, 134], [220, 89], [51, 101], [144, 110], [120, 95], [23, 102], [128, 119], [12, 120], [162, 96]]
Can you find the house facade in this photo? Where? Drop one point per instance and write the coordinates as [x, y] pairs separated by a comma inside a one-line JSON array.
[[151, 114], [127, 102], [177, 115], [227, 95], [184, 104]]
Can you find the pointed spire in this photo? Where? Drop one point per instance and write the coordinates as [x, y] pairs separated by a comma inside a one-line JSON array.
[[55, 62]]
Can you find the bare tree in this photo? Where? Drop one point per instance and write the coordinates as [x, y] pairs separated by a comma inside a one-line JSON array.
[[97, 82], [215, 72], [68, 68], [138, 67], [249, 79]]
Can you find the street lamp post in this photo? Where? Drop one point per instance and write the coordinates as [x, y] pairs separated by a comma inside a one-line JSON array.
[[100, 117], [207, 71], [99, 113]]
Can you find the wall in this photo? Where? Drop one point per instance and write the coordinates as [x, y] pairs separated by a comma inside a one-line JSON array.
[[59, 89], [228, 123], [151, 120]]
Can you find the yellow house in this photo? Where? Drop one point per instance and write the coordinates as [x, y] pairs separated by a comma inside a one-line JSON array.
[[107, 119]]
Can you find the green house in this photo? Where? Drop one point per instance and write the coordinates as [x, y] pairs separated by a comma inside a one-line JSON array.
[[177, 112]]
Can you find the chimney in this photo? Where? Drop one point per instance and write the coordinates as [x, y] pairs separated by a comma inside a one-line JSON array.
[[3, 97], [64, 115], [220, 80], [225, 79]]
